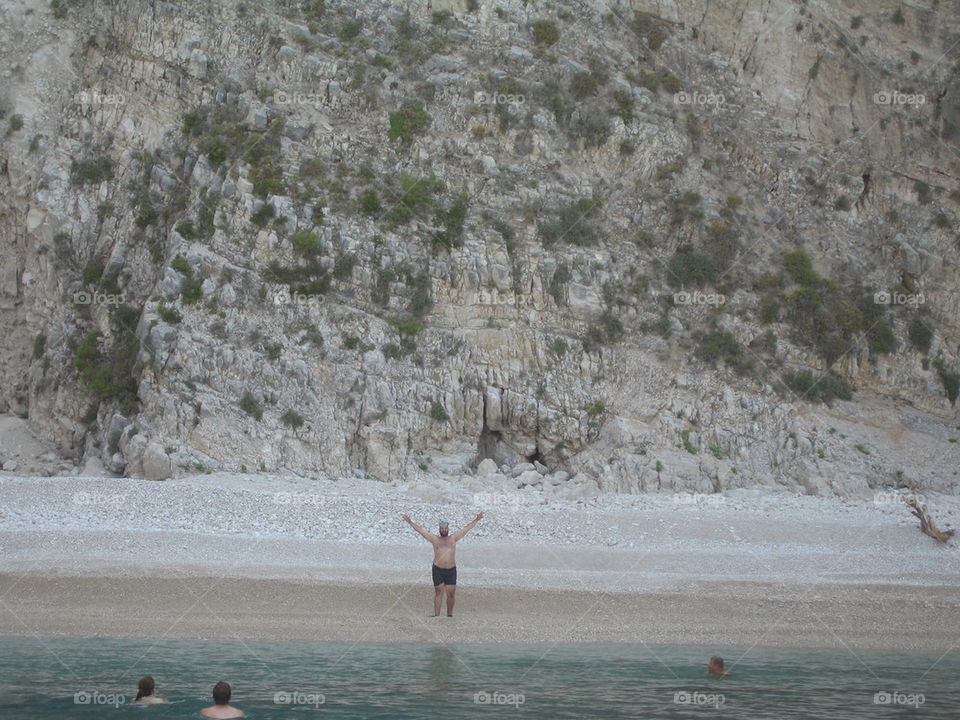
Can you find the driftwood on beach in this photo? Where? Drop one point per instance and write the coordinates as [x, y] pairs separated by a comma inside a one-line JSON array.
[[927, 526]]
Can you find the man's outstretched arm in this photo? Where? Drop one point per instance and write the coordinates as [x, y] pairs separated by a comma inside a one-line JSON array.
[[468, 527], [426, 535]]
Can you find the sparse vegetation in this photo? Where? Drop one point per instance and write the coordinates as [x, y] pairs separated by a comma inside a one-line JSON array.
[[920, 334], [438, 412], [251, 406], [93, 171], [410, 121], [690, 267], [292, 419], [824, 388], [545, 32], [719, 344], [572, 224]]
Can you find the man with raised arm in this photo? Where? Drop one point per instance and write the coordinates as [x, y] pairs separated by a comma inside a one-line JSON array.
[[444, 560]]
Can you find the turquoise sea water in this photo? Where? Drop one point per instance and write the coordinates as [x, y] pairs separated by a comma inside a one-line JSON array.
[[43, 678]]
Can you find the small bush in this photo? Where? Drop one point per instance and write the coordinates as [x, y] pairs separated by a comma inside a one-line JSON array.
[[545, 32], [16, 123], [181, 265], [306, 244], [92, 272], [251, 406], [452, 220], [595, 409], [824, 388], [437, 412], [408, 122], [924, 194], [592, 126], [264, 215], [191, 291], [799, 267], [370, 202], [169, 315], [920, 334], [292, 419], [186, 230], [583, 84], [407, 326], [148, 216], [690, 267], [343, 266], [349, 30], [572, 225], [842, 203], [96, 170], [391, 351], [717, 345], [422, 301]]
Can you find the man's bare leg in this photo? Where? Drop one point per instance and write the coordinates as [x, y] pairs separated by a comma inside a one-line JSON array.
[[451, 589], [437, 599]]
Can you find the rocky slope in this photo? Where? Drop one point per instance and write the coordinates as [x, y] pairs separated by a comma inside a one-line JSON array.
[[643, 246]]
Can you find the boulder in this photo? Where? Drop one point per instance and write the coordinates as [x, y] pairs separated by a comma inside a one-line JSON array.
[[486, 468], [155, 462]]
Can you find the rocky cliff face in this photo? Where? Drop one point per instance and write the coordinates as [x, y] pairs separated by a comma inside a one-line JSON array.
[[651, 245]]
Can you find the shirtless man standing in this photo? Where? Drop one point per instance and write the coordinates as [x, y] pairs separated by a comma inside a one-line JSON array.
[[444, 562]]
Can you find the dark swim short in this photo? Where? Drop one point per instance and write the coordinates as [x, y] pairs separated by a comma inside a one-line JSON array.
[[444, 576]]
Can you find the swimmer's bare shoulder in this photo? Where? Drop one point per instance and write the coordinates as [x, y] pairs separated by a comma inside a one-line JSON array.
[[227, 714]]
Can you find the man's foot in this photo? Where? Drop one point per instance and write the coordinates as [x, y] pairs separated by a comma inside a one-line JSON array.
[[449, 614]]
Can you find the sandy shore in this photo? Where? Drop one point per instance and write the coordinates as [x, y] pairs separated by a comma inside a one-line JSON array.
[[219, 557], [722, 615]]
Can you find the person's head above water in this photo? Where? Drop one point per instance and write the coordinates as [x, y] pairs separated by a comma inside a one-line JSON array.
[[444, 528], [221, 693], [145, 687], [715, 666]]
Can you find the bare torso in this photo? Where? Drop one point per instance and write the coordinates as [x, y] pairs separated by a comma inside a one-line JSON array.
[[444, 549]]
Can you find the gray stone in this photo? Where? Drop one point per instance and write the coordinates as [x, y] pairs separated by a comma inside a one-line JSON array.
[[486, 468], [155, 462]]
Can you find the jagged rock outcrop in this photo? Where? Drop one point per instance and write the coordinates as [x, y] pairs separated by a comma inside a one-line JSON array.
[[605, 238]]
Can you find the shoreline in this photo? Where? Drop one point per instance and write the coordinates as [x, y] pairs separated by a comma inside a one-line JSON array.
[[220, 558], [762, 615]]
